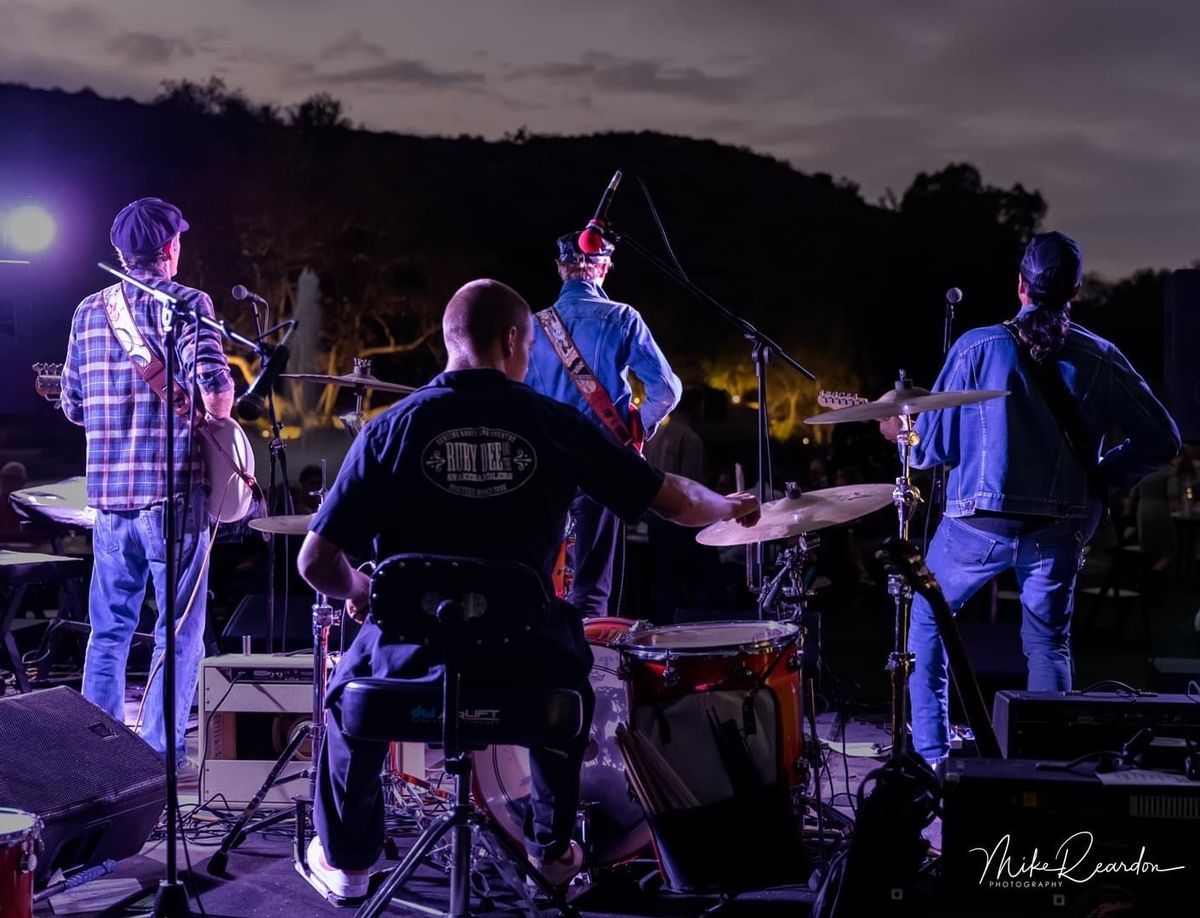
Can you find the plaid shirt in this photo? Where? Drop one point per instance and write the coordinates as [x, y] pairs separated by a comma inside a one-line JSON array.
[[123, 417]]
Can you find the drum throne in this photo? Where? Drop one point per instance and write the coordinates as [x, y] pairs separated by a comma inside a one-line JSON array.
[[459, 607]]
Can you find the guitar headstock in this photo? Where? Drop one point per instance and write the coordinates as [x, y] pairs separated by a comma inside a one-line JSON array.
[[48, 380], [831, 398]]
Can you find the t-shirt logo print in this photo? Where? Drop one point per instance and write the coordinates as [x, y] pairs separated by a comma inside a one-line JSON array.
[[478, 461]]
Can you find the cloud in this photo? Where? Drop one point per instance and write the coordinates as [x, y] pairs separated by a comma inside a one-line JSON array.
[[353, 45], [142, 48], [644, 76], [411, 73]]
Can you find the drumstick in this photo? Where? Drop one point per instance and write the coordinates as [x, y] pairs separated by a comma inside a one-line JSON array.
[[739, 484]]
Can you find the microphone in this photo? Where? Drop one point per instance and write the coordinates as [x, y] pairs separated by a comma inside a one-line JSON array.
[[953, 296], [253, 401], [591, 240], [241, 293]]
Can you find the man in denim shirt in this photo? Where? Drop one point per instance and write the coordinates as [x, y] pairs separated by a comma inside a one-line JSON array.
[[614, 340], [1016, 497]]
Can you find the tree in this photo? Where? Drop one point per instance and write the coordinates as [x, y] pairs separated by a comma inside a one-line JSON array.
[[320, 111]]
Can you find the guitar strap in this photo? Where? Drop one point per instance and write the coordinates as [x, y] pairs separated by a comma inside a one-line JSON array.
[[154, 371], [144, 360], [585, 380], [1081, 444]]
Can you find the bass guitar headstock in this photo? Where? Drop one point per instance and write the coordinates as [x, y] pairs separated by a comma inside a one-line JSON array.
[[48, 380], [833, 399]]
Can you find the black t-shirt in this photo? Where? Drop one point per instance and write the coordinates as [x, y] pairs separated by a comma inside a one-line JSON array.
[[474, 464]]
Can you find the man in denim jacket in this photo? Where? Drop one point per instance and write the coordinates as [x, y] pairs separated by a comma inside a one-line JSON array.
[[614, 340], [1016, 497]]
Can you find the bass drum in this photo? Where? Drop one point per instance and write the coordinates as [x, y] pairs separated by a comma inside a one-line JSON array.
[[616, 824]]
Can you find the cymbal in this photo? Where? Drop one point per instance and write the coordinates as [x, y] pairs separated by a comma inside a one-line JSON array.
[[907, 401], [791, 516], [351, 380], [296, 525]]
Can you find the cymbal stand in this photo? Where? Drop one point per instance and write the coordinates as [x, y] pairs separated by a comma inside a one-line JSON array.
[[355, 420], [324, 617], [900, 661]]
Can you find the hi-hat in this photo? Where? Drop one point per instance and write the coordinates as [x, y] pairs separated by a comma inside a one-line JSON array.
[[896, 402], [296, 525], [351, 381], [792, 516]]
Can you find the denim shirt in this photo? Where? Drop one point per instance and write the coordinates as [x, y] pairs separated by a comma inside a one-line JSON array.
[[613, 339], [1009, 455]]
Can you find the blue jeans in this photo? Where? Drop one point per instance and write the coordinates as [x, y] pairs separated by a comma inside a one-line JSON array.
[[963, 559], [128, 547]]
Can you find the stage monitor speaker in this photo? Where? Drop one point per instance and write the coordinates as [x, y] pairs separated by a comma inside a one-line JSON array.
[[1182, 331], [251, 704], [98, 788], [1019, 840], [1060, 726]]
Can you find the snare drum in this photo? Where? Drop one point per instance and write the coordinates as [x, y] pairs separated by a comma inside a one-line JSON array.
[[616, 824], [20, 837], [666, 664]]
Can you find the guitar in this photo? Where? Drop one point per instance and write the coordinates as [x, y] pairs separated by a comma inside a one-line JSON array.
[[906, 559], [223, 444]]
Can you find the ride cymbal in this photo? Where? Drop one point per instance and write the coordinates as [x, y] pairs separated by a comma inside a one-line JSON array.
[[351, 381], [792, 516]]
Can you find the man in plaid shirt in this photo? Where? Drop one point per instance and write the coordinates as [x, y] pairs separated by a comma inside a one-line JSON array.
[[126, 468]]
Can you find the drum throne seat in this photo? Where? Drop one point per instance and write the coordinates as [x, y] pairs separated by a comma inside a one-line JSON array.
[[458, 606]]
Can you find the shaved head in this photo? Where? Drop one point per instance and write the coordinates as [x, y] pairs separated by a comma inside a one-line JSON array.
[[485, 321]]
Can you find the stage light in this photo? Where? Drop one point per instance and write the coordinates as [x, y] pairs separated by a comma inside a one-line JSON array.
[[28, 228]]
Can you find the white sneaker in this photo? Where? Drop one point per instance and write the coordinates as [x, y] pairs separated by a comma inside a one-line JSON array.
[[562, 869], [343, 884]]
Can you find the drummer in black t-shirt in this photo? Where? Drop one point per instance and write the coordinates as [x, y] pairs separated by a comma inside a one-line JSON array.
[[476, 464]]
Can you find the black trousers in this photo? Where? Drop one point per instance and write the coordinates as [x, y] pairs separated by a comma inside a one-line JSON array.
[[591, 557], [348, 810]]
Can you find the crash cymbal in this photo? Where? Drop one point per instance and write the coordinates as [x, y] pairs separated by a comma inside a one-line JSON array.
[[351, 381], [905, 401], [791, 516], [296, 525]]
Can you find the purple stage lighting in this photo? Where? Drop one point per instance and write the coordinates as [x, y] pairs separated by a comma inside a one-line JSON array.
[[28, 228]]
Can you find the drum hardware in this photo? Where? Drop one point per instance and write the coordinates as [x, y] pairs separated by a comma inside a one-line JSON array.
[[360, 380], [289, 525], [324, 617]]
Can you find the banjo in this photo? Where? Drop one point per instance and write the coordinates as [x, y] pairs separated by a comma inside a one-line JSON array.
[[223, 444]]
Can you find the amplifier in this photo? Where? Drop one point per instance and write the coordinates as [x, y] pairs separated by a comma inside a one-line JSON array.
[[251, 705], [1058, 725], [1017, 840]]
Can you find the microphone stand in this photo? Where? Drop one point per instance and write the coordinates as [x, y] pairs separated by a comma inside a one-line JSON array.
[[171, 900], [937, 486], [761, 349], [277, 458]]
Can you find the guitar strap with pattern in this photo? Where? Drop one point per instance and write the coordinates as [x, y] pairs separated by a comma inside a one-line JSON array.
[[144, 360], [585, 380]]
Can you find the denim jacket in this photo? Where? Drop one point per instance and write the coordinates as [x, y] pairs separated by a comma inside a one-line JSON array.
[[613, 339], [1009, 455]]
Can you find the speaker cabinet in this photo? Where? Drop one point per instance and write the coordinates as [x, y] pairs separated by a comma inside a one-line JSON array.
[[98, 788]]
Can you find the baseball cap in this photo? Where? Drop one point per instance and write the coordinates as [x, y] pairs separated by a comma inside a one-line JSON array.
[[1052, 267], [569, 251], [146, 225]]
